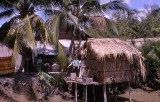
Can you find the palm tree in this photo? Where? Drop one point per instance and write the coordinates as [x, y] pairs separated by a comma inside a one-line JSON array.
[[150, 25], [24, 26], [77, 16], [127, 23]]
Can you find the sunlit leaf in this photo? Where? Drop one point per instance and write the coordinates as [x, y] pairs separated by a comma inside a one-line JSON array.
[[62, 57]]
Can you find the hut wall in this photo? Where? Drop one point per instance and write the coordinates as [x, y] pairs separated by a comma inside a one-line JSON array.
[[6, 65], [106, 71], [5, 60]]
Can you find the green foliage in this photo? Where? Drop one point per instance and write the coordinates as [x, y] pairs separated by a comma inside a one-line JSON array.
[[150, 45], [53, 25], [50, 83], [62, 57], [75, 16], [48, 79], [131, 25], [151, 51], [23, 27]]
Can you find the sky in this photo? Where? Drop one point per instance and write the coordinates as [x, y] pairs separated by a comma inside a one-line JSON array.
[[134, 4], [139, 4]]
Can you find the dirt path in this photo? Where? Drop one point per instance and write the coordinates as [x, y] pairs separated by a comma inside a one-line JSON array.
[[7, 94], [140, 95]]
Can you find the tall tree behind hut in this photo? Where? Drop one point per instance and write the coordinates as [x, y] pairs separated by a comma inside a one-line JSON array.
[[82, 16]]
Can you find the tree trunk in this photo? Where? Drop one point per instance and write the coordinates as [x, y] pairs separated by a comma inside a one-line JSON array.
[[22, 64], [72, 41], [80, 40]]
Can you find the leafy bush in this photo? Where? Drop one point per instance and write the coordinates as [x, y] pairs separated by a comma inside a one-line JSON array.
[[151, 52]]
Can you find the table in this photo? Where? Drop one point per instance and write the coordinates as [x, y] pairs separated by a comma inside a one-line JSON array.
[[67, 80]]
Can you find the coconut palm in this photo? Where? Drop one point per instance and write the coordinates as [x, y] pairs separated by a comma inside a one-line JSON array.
[[78, 17], [150, 25], [23, 28], [127, 23]]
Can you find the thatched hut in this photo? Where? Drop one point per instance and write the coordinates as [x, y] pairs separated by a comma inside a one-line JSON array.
[[112, 59]]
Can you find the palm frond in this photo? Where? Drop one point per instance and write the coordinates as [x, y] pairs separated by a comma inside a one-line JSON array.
[[53, 29], [91, 4], [10, 37], [15, 52], [115, 5], [7, 4], [47, 3], [6, 13], [156, 12], [19, 46], [25, 28], [9, 40], [38, 26], [4, 29], [92, 12], [66, 6], [112, 26], [48, 79], [74, 19], [62, 57], [92, 8], [95, 33]]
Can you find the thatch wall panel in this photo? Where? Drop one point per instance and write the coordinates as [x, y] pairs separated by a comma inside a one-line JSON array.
[[118, 76]]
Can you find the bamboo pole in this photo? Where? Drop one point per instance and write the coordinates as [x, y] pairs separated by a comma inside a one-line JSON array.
[[86, 93], [76, 91], [129, 93], [104, 93]]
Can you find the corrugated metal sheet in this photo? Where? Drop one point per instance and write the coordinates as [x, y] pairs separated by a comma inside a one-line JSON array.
[[46, 49]]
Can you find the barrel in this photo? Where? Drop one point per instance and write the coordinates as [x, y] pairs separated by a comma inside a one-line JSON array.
[[6, 66]]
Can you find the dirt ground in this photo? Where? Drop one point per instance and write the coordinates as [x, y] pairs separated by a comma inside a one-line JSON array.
[[140, 95], [27, 91], [8, 94], [144, 94]]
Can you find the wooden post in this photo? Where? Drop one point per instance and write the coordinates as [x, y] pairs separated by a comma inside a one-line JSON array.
[[83, 93], [104, 93], [129, 92], [86, 93], [76, 91], [93, 93]]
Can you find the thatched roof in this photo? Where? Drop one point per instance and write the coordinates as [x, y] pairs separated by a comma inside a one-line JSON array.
[[112, 47], [104, 49], [99, 22]]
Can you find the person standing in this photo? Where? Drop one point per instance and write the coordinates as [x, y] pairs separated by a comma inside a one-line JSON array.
[[75, 64]]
